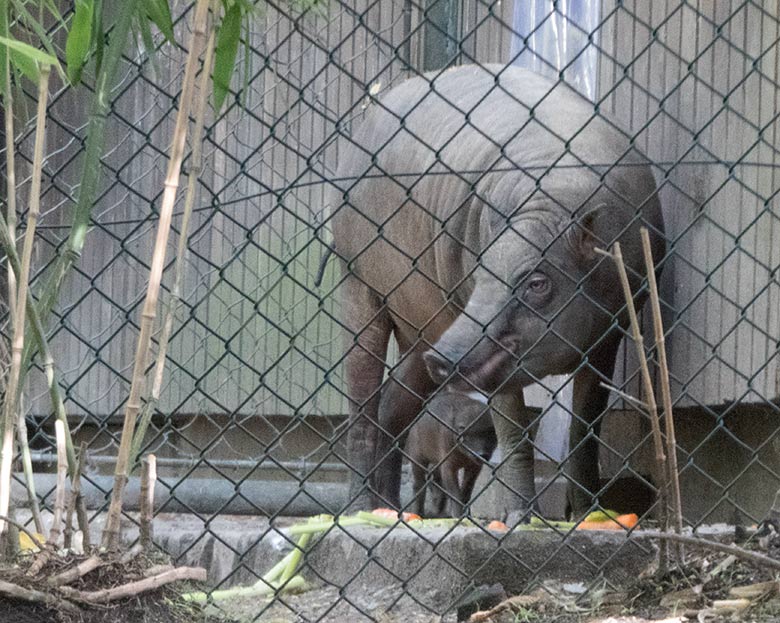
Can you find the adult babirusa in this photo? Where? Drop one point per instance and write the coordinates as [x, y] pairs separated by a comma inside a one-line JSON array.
[[469, 232]]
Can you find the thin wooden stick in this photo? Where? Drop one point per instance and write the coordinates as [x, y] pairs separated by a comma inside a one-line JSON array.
[[652, 407], [36, 541], [131, 589], [196, 166], [9, 416], [666, 394], [627, 397], [81, 507], [111, 530], [146, 503], [734, 550], [47, 599], [59, 496]]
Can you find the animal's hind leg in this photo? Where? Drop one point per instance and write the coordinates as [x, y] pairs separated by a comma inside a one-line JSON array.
[[438, 498], [402, 399], [368, 333], [419, 486]]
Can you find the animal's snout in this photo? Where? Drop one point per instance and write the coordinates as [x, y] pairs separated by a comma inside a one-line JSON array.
[[439, 367]]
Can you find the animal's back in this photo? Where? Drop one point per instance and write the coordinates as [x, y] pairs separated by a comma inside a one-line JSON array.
[[429, 157]]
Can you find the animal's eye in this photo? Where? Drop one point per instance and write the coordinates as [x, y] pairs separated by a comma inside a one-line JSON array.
[[537, 285]]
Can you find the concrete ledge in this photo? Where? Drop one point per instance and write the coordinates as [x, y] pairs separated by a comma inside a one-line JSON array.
[[436, 565]]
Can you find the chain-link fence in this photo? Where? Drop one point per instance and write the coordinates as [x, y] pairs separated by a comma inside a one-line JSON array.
[[462, 210]]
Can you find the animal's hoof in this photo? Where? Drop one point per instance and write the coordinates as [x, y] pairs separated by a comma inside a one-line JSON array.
[[361, 502], [517, 517]]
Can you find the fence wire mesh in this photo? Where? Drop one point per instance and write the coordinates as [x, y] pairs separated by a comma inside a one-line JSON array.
[[254, 414]]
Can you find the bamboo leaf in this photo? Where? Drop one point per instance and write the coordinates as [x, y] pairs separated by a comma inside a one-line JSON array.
[[24, 64], [225, 57], [29, 20], [147, 40], [79, 40], [160, 13], [28, 51]]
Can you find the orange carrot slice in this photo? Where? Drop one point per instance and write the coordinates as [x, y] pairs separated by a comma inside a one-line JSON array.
[[498, 526], [621, 522]]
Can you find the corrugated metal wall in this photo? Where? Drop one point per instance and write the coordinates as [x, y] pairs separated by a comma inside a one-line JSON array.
[[695, 82]]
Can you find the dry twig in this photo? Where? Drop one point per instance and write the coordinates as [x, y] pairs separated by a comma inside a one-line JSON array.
[[652, 407], [511, 604], [758, 559], [47, 599], [197, 574], [36, 541], [666, 394]]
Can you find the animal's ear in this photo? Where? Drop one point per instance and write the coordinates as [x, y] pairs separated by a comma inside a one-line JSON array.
[[585, 239]]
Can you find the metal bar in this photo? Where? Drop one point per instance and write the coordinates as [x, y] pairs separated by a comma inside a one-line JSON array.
[[291, 466]]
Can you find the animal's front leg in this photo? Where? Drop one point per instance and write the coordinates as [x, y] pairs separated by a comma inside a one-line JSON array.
[[513, 422], [588, 406]]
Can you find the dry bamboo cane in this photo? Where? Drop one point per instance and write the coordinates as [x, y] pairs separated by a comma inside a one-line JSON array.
[[652, 406], [181, 250], [59, 495], [146, 503], [666, 394], [111, 530], [9, 416], [81, 508]]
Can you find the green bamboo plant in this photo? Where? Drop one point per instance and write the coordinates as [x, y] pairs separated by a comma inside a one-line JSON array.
[[22, 278]]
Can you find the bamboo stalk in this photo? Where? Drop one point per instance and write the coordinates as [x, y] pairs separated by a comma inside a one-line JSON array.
[[148, 478], [111, 530], [181, 250], [59, 495], [29, 479], [9, 419], [39, 336], [81, 508], [666, 394], [652, 407], [95, 133], [10, 160], [73, 504]]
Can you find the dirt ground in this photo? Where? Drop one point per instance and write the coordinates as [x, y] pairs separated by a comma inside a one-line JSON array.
[[710, 587]]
